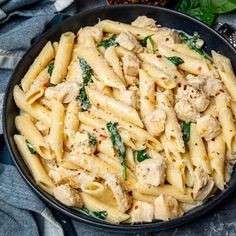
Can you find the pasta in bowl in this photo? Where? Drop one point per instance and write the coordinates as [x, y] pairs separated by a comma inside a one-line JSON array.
[[128, 122]]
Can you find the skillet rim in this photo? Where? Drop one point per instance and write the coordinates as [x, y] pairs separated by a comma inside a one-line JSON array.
[[146, 227]]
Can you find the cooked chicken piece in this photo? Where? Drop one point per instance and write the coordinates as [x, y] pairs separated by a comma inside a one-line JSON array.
[[128, 96], [74, 178], [74, 71], [68, 196], [151, 171], [155, 122], [196, 81], [195, 96], [44, 130], [141, 212], [213, 87], [130, 65], [167, 208], [165, 36], [145, 22], [89, 31], [208, 127], [186, 111], [128, 41], [65, 92], [82, 144], [203, 184], [123, 199]]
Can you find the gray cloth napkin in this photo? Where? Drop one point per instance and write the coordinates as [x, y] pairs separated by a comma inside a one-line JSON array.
[[21, 21], [17, 203]]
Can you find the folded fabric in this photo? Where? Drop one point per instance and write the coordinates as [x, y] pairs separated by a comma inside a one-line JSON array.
[[17, 203]]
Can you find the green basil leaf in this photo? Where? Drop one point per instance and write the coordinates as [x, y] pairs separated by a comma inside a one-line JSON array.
[[30, 147], [101, 215], [176, 60], [218, 6], [50, 68], [118, 145], [186, 132], [203, 14], [92, 140], [109, 42], [186, 5], [142, 155]]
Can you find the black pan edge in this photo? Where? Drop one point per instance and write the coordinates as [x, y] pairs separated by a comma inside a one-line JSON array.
[[155, 226]]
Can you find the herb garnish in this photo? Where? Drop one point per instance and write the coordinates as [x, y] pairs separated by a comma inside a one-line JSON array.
[[186, 132], [30, 147], [143, 42], [100, 215], [87, 78], [51, 85], [50, 68], [118, 144], [92, 140], [109, 42], [176, 60], [191, 41], [142, 155]]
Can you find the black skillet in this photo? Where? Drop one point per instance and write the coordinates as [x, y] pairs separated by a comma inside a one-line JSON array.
[[124, 13]]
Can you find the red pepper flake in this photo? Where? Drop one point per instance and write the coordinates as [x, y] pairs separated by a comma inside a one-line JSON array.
[[99, 141], [136, 207], [103, 137], [96, 152], [45, 85], [222, 91], [159, 56], [213, 139], [179, 85], [199, 68]]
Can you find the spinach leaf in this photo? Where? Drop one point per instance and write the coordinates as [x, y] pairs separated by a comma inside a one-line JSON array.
[[143, 42], [118, 144], [176, 60], [86, 71], [142, 155], [109, 42], [87, 78], [190, 41], [92, 140], [100, 215], [50, 68], [30, 147], [186, 132], [220, 6]]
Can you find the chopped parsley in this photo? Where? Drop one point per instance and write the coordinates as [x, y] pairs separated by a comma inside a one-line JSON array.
[[30, 147], [118, 144], [109, 42]]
